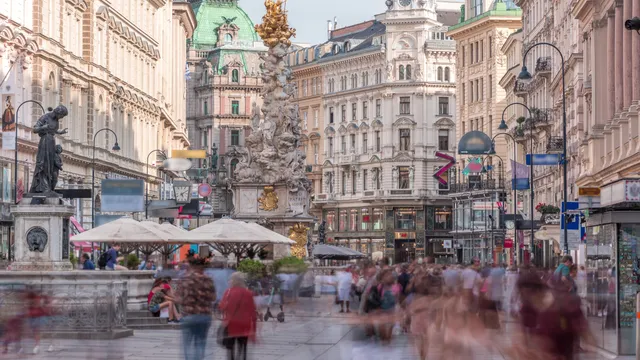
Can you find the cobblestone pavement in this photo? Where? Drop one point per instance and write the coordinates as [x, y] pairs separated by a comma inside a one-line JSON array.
[[313, 331]]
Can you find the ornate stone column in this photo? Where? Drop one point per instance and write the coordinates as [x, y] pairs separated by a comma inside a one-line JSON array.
[[619, 61], [626, 51], [611, 66]]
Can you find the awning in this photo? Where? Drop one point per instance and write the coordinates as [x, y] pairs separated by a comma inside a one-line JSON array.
[[331, 252], [226, 231]]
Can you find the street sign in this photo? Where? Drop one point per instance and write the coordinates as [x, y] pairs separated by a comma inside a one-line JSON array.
[[573, 227], [189, 154], [204, 190], [589, 191], [122, 195], [445, 169], [544, 159]]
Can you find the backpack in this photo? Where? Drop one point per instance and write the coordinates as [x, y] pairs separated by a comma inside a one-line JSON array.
[[102, 260]]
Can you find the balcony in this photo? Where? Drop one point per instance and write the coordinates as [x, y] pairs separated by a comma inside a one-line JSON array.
[[482, 185], [351, 158], [554, 145], [541, 118], [325, 198], [520, 89], [543, 66]]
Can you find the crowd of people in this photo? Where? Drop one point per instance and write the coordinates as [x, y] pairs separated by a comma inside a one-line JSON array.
[[457, 308]]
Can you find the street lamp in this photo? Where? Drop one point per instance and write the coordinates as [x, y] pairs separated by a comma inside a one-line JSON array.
[[503, 126], [15, 165], [525, 75], [146, 198], [115, 147]]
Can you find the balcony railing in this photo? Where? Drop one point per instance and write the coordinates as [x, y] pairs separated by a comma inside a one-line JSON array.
[[520, 88], [487, 184], [555, 144]]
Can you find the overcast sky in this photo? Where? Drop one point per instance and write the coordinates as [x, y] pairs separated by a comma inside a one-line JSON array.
[[309, 17]]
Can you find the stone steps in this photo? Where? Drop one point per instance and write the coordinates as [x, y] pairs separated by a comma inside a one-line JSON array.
[[164, 326]]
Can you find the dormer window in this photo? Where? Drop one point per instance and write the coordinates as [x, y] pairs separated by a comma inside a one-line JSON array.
[[228, 38], [336, 49], [235, 76], [347, 46]]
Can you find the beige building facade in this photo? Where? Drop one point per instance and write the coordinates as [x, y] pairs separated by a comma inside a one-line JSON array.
[[114, 64]]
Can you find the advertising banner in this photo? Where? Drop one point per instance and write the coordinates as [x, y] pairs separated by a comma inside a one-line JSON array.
[[122, 195], [8, 125]]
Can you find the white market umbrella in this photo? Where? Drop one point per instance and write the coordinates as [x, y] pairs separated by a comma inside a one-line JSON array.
[[231, 231], [125, 230]]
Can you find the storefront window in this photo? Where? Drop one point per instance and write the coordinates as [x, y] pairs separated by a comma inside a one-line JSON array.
[[353, 244], [343, 220], [377, 246], [466, 216], [405, 219], [601, 286], [365, 246], [443, 219], [366, 219], [330, 218], [378, 219], [629, 280], [353, 220]]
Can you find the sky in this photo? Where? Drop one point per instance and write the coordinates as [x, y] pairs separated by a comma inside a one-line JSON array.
[[309, 17]]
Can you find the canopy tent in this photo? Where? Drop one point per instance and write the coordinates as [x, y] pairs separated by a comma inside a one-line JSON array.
[[127, 230], [330, 252]]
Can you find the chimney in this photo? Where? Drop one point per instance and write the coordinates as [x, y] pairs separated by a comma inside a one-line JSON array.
[[329, 29], [335, 22]]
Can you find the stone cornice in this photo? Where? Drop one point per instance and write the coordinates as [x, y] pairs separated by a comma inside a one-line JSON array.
[[187, 17]]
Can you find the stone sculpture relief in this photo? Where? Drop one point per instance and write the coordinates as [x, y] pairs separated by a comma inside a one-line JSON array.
[[37, 239]]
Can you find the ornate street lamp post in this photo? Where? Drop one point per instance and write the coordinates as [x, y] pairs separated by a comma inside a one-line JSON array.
[[146, 197], [525, 75]]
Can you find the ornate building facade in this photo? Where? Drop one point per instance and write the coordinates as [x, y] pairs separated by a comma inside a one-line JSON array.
[[225, 66], [113, 64], [388, 100], [481, 32]]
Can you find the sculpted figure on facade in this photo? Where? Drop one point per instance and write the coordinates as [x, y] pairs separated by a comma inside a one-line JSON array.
[[389, 71], [273, 154]]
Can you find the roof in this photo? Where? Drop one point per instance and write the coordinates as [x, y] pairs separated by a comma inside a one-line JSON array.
[[210, 14], [499, 8], [361, 40], [351, 29]]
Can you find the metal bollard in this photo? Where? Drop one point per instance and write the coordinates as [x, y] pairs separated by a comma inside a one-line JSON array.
[[638, 326]]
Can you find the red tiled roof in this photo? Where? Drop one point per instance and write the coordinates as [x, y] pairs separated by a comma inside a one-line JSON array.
[[351, 29]]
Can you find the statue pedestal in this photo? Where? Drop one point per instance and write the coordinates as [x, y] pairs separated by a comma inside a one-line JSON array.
[[252, 202], [41, 235]]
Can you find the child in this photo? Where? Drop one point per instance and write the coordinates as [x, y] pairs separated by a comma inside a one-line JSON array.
[[57, 162]]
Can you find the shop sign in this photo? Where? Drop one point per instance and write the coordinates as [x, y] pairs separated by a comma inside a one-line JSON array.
[[405, 235], [508, 243]]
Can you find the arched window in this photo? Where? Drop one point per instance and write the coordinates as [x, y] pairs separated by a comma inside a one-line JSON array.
[[228, 38], [408, 72], [401, 75], [439, 73], [235, 76], [447, 74], [347, 46]]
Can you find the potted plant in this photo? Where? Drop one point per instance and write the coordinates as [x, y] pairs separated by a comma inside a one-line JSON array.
[[545, 209], [253, 268]]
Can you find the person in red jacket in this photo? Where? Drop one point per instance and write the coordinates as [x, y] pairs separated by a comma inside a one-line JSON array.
[[239, 311]]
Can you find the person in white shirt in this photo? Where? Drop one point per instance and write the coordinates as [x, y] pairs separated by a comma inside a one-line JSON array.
[[469, 284], [344, 280]]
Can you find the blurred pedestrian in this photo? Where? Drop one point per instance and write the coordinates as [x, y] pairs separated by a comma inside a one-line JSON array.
[[197, 294], [240, 317], [113, 258], [87, 264], [344, 280]]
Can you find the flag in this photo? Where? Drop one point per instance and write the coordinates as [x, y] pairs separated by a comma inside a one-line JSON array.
[[521, 177], [187, 72]]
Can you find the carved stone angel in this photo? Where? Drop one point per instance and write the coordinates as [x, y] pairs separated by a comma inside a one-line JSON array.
[[255, 116]]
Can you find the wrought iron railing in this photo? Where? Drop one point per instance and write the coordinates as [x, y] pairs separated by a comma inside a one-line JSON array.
[[555, 144], [520, 88], [543, 65], [487, 184], [75, 306]]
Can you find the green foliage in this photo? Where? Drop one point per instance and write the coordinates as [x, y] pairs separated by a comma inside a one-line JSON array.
[[73, 260], [253, 268], [521, 119], [289, 264], [132, 262]]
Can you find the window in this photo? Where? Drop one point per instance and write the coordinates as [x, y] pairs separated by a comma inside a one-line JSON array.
[[234, 164], [378, 141], [405, 105], [331, 115], [354, 81], [315, 154], [490, 46], [343, 141], [342, 219], [403, 177], [443, 140], [444, 218], [313, 86], [471, 59], [365, 177], [490, 85], [405, 219], [354, 178], [354, 111], [481, 50], [464, 58], [470, 91], [477, 49], [235, 76], [405, 139], [352, 138], [378, 219], [481, 89], [439, 73], [304, 87], [330, 218], [228, 38], [330, 145], [365, 109], [235, 107], [206, 107], [408, 72], [365, 147], [401, 72], [464, 93], [305, 117], [235, 137], [447, 74], [316, 114], [443, 105], [353, 219], [344, 113], [364, 214], [378, 108]]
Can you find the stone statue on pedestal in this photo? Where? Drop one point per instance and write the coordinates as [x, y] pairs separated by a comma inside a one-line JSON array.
[[45, 174]]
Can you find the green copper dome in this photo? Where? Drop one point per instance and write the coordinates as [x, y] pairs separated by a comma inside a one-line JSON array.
[[211, 14]]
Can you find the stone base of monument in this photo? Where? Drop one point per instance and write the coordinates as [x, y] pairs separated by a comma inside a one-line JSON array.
[[41, 234], [274, 203]]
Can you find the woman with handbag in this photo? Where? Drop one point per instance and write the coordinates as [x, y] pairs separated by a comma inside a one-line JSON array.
[[240, 322]]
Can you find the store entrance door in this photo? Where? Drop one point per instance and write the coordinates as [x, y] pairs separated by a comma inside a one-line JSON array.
[[405, 251]]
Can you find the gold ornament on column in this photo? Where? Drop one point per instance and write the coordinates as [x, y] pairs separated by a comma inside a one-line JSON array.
[[275, 28], [268, 200], [298, 233]]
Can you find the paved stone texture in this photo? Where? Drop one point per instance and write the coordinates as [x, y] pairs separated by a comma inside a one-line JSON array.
[[313, 330]]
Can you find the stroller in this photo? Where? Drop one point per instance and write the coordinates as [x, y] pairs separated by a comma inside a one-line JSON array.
[[275, 293]]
